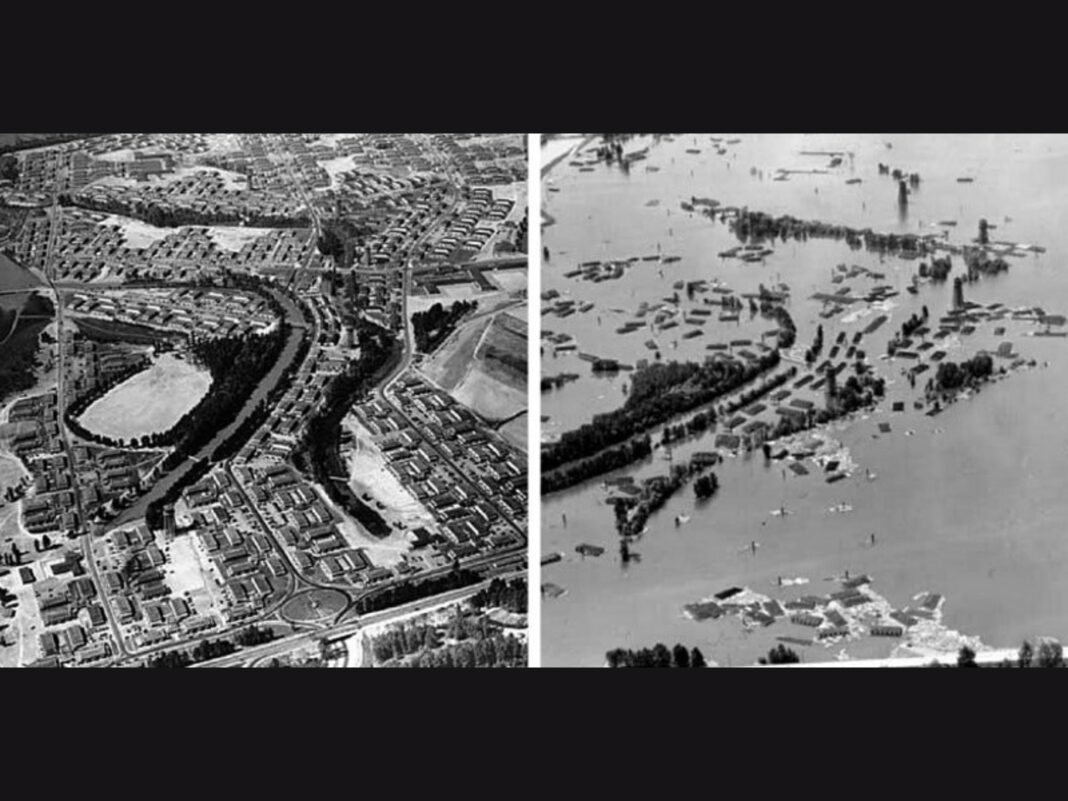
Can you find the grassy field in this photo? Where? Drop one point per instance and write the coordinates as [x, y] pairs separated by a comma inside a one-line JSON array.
[[12, 276], [449, 363], [18, 356], [491, 398], [515, 431], [315, 605], [503, 351]]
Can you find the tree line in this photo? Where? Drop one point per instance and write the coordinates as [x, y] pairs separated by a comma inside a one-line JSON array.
[[163, 215], [317, 453], [659, 656], [605, 461], [510, 595], [658, 393], [212, 649], [406, 591], [431, 327]]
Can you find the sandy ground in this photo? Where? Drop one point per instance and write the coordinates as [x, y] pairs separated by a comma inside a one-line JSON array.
[[222, 143], [384, 553], [233, 238], [152, 400], [509, 280], [138, 234], [11, 471], [335, 167], [369, 474], [492, 399], [117, 155], [189, 575], [23, 628], [465, 291], [520, 312]]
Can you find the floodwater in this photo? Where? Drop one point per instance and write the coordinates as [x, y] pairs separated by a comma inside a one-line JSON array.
[[969, 506]]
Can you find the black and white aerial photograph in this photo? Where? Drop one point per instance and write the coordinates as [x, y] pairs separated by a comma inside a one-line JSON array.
[[263, 400], [802, 400]]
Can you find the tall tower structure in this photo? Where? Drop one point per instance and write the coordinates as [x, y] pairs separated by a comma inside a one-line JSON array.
[[958, 293]]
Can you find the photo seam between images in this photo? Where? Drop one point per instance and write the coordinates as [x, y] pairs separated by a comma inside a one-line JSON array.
[[534, 400]]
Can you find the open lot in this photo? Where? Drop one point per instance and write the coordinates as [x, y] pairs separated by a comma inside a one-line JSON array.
[[151, 401], [490, 398], [189, 575]]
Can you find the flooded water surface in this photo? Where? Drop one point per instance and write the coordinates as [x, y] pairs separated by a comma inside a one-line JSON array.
[[968, 504]]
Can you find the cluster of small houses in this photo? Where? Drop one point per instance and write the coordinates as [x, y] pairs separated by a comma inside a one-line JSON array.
[[206, 313], [91, 365], [87, 249], [485, 462], [202, 192], [105, 474], [70, 610], [432, 279], [380, 298], [474, 226], [362, 185], [279, 434], [304, 525], [498, 161]]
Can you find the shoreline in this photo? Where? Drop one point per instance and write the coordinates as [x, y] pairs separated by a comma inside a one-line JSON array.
[[547, 168]]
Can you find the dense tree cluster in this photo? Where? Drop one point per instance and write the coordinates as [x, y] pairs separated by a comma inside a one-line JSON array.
[[602, 462], [167, 216], [780, 655], [212, 649], [633, 512], [706, 486], [951, 376], [658, 393], [433, 326], [697, 424], [787, 329], [548, 382], [509, 595], [756, 226], [318, 451], [18, 356], [978, 262], [939, 269], [9, 168], [857, 392], [659, 656], [466, 641], [402, 593]]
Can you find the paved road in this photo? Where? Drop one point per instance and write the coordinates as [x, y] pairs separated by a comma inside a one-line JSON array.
[[304, 639]]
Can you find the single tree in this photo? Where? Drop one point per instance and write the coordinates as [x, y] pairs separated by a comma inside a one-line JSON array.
[[966, 657], [680, 656], [1050, 654]]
